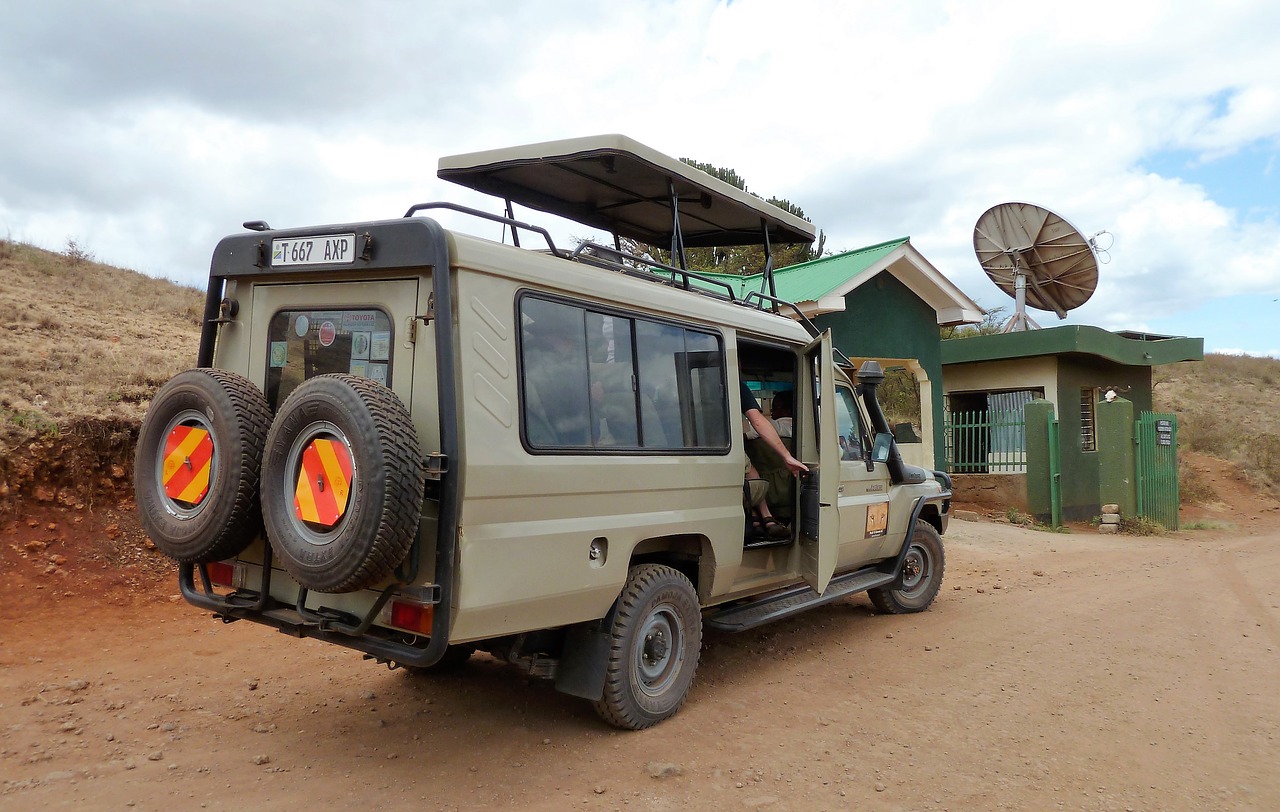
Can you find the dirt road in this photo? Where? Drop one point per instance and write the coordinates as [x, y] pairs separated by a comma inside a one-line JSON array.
[[1054, 672]]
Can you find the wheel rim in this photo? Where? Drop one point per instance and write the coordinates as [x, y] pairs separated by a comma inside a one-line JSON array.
[[659, 651], [917, 570], [322, 470], [186, 464]]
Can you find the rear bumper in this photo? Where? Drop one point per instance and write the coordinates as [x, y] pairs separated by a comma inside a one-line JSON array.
[[330, 626]]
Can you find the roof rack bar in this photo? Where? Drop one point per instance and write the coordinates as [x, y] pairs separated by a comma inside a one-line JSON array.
[[648, 269], [417, 207], [764, 297]]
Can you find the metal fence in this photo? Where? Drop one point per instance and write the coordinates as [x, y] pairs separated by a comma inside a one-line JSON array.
[[985, 442], [1157, 468]]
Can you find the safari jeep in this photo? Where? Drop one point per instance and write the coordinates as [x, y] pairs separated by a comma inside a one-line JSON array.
[[419, 444]]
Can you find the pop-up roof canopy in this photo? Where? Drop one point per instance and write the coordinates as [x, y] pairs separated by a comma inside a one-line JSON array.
[[615, 183]]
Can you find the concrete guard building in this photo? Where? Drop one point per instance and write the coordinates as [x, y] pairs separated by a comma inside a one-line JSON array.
[[1072, 367]]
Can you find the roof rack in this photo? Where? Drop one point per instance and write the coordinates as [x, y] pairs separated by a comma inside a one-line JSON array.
[[615, 259], [633, 191]]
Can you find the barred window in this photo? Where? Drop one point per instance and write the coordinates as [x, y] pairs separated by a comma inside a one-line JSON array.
[[1088, 421]]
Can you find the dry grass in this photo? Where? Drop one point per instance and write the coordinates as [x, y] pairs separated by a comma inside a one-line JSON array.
[[85, 341], [1228, 407]]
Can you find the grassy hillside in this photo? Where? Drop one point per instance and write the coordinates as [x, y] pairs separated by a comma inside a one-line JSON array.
[[81, 339], [82, 348], [1228, 406]]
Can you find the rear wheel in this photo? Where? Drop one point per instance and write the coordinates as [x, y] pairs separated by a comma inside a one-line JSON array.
[[921, 575], [197, 465], [455, 657], [657, 638]]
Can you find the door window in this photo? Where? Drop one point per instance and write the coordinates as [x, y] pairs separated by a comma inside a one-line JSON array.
[[849, 425], [598, 380], [302, 344]]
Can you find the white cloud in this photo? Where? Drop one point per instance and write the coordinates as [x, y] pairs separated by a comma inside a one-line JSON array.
[[148, 132]]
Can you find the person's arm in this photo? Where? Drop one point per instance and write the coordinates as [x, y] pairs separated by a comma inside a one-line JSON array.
[[770, 435]]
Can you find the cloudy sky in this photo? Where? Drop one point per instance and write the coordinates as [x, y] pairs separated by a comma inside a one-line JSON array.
[[145, 131]]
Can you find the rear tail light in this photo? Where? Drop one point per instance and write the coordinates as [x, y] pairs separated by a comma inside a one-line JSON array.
[[410, 616], [226, 573]]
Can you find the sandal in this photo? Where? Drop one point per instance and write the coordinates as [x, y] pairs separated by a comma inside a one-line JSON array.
[[774, 529]]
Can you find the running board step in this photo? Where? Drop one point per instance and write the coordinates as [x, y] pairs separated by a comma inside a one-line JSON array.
[[777, 605]]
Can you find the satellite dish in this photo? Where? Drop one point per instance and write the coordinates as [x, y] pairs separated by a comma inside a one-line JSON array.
[[1036, 257]]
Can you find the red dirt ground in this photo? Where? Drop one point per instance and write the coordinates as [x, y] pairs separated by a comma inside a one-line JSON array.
[[1070, 671]]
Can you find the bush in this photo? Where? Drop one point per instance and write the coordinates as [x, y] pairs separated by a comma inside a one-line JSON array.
[[1140, 526], [1193, 488], [77, 253]]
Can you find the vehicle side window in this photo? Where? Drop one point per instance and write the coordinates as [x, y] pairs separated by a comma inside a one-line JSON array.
[[848, 424], [305, 343], [594, 380]]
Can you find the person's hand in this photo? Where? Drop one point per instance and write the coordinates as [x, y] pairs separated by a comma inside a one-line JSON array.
[[794, 465]]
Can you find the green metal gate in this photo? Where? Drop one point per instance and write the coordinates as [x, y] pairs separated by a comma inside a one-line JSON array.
[[1157, 438]]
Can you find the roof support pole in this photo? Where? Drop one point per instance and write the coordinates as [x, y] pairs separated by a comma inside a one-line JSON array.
[[511, 215], [677, 236], [767, 273]]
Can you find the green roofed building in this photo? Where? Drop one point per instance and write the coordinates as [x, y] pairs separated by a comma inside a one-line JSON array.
[[885, 302], [991, 378]]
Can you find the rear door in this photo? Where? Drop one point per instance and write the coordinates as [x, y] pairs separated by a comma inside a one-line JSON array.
[[820, 517], [355, 328]]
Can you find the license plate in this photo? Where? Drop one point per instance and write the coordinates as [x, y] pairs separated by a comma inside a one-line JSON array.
[[327, 249]]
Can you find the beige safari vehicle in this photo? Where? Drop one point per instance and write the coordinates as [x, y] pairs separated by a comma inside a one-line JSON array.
[[418, 444]]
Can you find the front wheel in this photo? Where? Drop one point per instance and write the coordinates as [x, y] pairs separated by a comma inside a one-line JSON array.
[[921, 575], [656, 640]]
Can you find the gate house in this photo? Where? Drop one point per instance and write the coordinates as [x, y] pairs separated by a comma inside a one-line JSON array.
[[883, 302], [1071, 367]]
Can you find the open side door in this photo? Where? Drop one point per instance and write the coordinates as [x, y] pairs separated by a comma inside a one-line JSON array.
[[819, 490]]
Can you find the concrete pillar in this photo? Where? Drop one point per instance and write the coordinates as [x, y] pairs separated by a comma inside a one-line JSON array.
[[1117, 456], [1037, 415]]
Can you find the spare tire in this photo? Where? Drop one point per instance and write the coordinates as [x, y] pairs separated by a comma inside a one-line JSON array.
[[197, 464], [342, 483]]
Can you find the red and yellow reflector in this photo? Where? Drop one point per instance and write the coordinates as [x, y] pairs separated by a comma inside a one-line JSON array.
[[188, 453], [324, 482]]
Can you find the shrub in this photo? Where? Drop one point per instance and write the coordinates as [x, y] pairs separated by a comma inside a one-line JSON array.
[[1140, 526]]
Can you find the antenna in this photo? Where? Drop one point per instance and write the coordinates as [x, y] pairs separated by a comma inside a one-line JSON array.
[[1036, 257]]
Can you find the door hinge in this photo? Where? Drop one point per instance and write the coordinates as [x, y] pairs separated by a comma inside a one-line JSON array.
[[435, 464]]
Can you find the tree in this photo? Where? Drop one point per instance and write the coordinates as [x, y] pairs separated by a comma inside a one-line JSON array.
[[992, 323], [734, 259]]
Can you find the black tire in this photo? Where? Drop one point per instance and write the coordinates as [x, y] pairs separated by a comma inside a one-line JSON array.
[[657, 639], [227, 417], [455, 657], [921, 575], [376, 522]]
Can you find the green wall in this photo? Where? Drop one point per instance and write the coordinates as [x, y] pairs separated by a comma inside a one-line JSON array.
[[884, 319], [1080, 469]]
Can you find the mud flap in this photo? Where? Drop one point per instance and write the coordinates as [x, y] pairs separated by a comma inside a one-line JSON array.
[[584, 662]]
